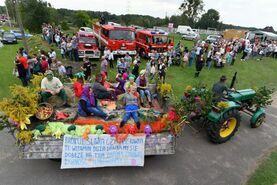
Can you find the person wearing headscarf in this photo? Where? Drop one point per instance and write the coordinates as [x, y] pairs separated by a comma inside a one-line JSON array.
[[88, 105], [51, 86], [142, 87], [130, 82], [121, 79]]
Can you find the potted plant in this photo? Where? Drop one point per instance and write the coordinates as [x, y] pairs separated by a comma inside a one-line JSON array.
[[165, 92]]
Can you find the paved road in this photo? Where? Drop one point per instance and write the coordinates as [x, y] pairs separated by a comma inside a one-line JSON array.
[[196, 162]]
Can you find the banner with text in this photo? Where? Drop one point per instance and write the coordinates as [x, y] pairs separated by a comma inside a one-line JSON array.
[[102, 151]]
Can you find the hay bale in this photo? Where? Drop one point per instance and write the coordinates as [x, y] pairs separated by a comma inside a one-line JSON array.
[[56, 101]]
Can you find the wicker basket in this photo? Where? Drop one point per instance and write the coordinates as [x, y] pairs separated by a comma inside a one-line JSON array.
[[45, 111]]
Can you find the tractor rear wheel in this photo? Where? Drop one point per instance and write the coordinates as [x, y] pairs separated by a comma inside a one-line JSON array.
[[258, 122], [225, 128]]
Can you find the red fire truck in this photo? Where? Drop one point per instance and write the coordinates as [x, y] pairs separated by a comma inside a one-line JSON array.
[[119, 39], [87, 45], [149, 41]]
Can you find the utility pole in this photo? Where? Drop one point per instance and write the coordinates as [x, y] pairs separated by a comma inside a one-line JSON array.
[[8, 16], [19, 21]]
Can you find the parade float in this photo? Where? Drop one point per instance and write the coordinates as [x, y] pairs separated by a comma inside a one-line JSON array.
[[44, 131]]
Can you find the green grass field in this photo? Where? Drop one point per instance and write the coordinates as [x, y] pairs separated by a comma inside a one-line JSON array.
[[266, 174], [7, 55]]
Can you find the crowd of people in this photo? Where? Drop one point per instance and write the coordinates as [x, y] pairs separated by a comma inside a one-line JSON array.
[[68, 45], [220, 53], [29, 65]]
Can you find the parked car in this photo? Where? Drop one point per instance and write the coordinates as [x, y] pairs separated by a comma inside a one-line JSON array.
[[19, 35], [213, 38], [9, 38], [86, 29], [190, 36]]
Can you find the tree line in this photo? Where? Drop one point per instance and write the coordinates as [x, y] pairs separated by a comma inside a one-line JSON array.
[[36, 12]]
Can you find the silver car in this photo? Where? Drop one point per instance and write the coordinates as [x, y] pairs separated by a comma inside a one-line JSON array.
[[213, 38], [190, 36]]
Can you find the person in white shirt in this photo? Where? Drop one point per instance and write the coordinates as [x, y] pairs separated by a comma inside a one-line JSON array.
[[69, 50], [53, 55], [63, 48], [106, 52], [58, 40], [61, 69], [51, 86]]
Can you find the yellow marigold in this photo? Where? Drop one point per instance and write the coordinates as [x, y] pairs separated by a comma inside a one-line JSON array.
[[165, 89], [24, 137], [37, 80], [188, 88], [223, 105]]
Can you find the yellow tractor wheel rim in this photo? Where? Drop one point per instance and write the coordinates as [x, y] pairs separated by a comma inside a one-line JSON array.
[[228, 127]]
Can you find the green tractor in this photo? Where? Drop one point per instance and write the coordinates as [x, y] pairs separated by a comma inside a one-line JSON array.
[[221, 117], [222, 124]]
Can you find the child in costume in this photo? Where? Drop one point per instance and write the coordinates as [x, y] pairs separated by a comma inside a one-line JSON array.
[[78, 84], [131, 101]]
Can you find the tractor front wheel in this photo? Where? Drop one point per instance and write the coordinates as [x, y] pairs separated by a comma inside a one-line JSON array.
[[225, 128], [258, 122]]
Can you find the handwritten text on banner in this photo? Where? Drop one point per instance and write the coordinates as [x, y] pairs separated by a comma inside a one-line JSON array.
[[102, 151]]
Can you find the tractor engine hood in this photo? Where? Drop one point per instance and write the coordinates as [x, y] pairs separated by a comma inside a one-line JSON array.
[[242, 95]]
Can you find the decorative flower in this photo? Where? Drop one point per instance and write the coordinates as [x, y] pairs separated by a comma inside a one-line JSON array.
[[23, 124], [58, 133], [188, 89], [113, 130], [130, 129], [172, 116], [148, 130], [99, 132], [86, 133], [24, 136], [197, 98], [36, 133]]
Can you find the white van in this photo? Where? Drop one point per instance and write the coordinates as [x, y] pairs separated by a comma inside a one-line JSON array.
[[184, 30]]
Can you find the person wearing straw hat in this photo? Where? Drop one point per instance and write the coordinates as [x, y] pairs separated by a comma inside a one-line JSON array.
[[51, 86], [142, 87]]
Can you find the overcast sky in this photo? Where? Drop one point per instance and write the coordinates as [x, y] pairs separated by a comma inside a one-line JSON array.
[[257, 13]]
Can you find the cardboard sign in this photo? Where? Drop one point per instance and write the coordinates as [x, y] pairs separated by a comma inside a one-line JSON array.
[[102, 151]]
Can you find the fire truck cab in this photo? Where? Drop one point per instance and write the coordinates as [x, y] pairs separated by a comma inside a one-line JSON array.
[[87, 45], [119, 39], [149, 41]]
